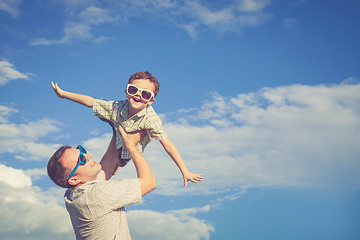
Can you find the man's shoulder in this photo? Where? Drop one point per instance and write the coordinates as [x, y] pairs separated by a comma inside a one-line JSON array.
[[99, 185], [95, 189]]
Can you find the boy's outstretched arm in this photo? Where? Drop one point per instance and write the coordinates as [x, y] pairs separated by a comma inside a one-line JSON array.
[[75, 97], [175, 155]]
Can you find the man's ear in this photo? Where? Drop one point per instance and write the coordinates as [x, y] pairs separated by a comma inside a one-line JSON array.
[[73, 181]]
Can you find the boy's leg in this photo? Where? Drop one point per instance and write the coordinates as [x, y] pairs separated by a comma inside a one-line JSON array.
[[122, 161]]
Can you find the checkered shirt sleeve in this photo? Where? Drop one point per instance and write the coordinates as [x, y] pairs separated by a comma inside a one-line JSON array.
[[107, 110], [153, 125]]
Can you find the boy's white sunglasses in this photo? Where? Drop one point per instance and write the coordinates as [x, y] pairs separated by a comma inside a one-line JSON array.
[[146, 95]]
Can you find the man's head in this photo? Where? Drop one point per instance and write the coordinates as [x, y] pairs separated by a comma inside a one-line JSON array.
[[70, 167]]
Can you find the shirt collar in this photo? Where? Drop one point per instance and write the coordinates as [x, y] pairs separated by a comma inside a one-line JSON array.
[[125, 111]]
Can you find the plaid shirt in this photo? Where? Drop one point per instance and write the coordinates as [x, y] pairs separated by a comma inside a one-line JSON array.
[[116, 112]]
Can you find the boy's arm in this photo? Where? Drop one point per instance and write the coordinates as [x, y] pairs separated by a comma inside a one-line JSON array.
[[175, 156], [75, 97]]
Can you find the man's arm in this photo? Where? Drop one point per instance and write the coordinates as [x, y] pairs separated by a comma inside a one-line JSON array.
[[109, 161], [176, 157], [143, 169], [75, 97]]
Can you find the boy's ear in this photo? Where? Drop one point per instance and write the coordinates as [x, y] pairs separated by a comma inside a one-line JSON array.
[[151, 101]]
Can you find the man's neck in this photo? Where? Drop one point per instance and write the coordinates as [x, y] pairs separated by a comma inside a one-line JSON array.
[[100, 177]]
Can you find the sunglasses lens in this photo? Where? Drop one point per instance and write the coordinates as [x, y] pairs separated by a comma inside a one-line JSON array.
[[146, 95], [82, 159], [82, 149], [132, 90]]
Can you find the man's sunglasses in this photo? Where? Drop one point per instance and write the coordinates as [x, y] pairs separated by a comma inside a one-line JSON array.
[[146, 95], [82, 160]]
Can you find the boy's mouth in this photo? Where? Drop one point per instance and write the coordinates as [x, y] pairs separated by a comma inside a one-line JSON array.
[[137, 99]]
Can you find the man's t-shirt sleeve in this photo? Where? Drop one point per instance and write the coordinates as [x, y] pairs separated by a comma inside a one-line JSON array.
[[117, 194]]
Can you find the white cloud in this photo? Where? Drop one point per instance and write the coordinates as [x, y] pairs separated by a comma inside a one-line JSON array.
[[351, 80], [290, 23], [27, 212], [14, 177], [11, 7], [23, 139], [97, 146], [252, 5], [83, 18], [5, 112], [232, 17], [80, 26], [95, 16], [298, 136], [8, 73], [36, 173], [172, 225]]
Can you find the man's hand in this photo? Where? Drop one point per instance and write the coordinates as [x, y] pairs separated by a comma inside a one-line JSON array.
[[57, 90], [145, 174], [131, 139]]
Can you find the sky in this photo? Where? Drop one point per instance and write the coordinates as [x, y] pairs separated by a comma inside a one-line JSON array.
[[260, 96]]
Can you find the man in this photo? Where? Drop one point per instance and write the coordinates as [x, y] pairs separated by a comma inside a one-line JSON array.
[[96, 206]]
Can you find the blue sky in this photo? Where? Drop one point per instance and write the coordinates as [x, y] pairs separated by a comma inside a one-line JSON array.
[[261, 96]]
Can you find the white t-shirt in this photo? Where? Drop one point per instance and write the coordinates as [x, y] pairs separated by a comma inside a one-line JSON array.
[[97, 209]]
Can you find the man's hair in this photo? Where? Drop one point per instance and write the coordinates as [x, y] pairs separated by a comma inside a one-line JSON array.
[[56, 171], [146, 75]]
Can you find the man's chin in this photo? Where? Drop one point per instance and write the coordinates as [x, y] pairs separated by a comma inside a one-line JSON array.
[[101, 175]]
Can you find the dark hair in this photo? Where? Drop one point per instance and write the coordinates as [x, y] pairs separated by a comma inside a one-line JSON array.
[[146, 75], [56, 171]]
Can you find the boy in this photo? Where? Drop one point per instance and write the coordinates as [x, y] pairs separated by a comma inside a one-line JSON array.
[[134, 114]]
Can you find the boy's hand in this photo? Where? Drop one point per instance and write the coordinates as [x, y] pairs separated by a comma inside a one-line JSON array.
[[192, 177], [57, 90]]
